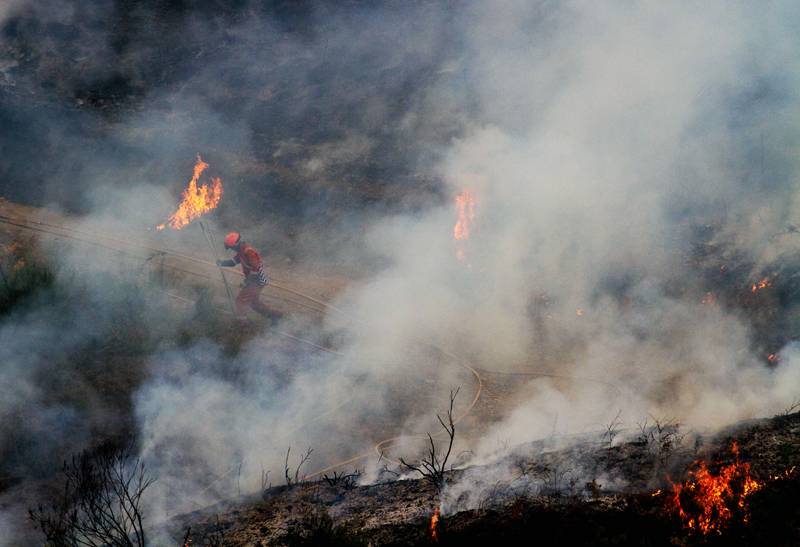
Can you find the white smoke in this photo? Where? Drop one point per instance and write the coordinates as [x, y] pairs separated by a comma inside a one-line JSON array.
[[596, 139], [604, 135], [599, 139]]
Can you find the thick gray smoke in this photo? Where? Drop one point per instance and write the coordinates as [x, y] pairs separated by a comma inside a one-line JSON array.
[[603, 146], [604, 139], [607, 136]]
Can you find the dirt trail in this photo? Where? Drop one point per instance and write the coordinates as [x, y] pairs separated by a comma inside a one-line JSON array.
[[186, 260]]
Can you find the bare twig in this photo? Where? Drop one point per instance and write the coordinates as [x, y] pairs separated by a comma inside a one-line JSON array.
[[792, 409], [455, 460], [303, 459], [661, 440], [217, 537], [611, 429], [347, 480], [386, 471], [264, 477], [101, 500], [432, 466]]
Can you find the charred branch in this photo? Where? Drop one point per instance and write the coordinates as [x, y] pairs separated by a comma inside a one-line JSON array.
[[101, 502], [433, 466], [661, 440], [297, 479], [612, 430], [347, 480]]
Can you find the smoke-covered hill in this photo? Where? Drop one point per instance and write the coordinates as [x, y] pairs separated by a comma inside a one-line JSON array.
[[308, 106], [632, 239]]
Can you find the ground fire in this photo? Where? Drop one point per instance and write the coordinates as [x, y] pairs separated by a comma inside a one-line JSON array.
[[706, 504], [464, 205], [764, 283], [196, 201], [434, 521]]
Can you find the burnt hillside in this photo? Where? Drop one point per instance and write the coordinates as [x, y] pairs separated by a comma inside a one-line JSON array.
[[582, 219]]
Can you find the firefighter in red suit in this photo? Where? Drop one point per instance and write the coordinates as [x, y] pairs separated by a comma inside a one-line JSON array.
[[254, 279]]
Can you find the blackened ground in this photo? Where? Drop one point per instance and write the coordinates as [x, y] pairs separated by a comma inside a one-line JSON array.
[[720, 275], [398, 513]]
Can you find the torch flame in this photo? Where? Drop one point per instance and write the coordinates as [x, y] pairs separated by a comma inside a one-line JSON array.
[[196, 201], [434, 521], [464, 205]]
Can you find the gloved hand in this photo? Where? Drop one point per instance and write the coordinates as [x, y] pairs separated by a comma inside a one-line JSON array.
[[246, 283], [226, 263]]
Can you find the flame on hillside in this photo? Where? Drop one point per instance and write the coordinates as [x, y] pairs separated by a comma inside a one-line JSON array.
[[764, 283], [434, 521], [464, 205], [196, 201], [706, 504]]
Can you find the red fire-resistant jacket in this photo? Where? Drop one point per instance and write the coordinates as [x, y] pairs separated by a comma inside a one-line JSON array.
[[249, 259]]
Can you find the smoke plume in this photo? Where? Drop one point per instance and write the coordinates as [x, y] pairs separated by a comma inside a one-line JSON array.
[[634, 169]]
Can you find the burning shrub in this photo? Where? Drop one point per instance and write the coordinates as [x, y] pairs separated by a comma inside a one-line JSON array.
[[709, 504]]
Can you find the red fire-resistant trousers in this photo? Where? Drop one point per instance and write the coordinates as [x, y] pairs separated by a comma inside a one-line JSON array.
[[248, 296]]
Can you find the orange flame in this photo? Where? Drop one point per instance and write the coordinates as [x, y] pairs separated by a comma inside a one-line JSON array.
[[788, 474], [464, 204], [196, 201], [714, 497], [764, 283], [434, 521]]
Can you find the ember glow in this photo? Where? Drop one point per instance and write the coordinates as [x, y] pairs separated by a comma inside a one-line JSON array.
[[706, 504], [788, 474], [196, 201], [464, 205], [764, 283], [434, 521]]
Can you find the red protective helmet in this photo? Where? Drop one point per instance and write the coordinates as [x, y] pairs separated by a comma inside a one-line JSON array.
[[232, 240]]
